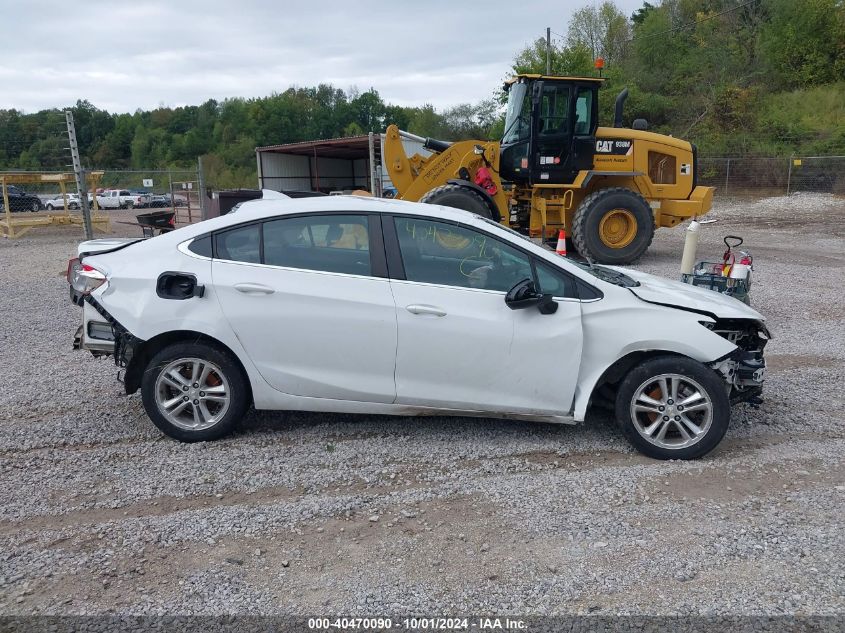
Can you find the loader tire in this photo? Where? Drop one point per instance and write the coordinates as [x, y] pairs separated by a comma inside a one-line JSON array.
[[459, 197], [613, 226]]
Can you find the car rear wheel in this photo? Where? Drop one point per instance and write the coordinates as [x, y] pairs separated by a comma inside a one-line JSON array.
[[36, 206], [194, 392], [671, 407]]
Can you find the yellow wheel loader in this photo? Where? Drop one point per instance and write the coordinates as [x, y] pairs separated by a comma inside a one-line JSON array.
[[555, 168]]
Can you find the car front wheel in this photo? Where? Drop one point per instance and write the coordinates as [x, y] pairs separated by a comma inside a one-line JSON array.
[[194, 392], [671, 407]]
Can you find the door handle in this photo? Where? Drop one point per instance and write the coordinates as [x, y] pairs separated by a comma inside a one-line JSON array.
[[424, 309], [249, 288]]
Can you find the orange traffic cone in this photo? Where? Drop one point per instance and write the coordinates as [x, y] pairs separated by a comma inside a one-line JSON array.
[[561, 243]]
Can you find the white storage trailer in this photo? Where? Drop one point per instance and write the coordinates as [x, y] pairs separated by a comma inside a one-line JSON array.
[[337, 164]]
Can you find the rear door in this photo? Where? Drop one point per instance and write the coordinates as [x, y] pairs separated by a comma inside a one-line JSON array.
[[459, 345], [308, 298]]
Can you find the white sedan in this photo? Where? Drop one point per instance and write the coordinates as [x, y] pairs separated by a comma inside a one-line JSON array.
[[360, 305]]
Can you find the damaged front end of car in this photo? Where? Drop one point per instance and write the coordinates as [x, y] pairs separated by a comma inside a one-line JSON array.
[[743, 369]]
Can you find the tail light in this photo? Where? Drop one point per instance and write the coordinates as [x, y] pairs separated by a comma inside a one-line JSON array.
[[83, 277]]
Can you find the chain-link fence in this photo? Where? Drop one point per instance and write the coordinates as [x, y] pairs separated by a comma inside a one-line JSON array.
[[160, 189], [755, 177], [153, 189]]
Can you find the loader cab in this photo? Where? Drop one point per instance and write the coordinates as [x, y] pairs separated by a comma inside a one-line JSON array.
[[550, 128]]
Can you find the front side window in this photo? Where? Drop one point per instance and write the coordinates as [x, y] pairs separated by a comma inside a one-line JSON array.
[[329, 243], [554, 109], [451, 255], [555, 282]]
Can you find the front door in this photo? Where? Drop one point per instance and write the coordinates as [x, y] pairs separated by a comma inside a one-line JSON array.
[[553, 134], [302, 297], [459, 345]]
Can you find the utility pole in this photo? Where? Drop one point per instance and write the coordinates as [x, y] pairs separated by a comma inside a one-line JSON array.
[[201, 185], [548, 50], [81, 183]]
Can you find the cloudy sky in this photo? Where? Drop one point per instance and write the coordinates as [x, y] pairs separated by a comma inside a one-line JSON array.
[[144, 53]]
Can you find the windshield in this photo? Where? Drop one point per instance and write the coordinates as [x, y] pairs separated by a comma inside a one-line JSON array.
[[517, 119]]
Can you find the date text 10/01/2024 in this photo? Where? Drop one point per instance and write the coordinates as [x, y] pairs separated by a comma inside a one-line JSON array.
[[416, 624]]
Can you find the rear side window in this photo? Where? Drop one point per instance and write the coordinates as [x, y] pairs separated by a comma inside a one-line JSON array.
[[329, 243], [201, 246], [583, 112], [242, 244]]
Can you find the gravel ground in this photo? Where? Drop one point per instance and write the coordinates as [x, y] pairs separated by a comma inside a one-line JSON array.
[[362, 515]]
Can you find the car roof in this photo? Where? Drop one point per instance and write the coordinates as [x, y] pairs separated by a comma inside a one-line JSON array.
[[260, 209]]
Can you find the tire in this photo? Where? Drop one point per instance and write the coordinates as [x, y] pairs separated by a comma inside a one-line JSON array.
[[36, 206], [459, 197], [129, 205], [613, 226], [49, 207], [73, 206], [710, 413], [167, 370]]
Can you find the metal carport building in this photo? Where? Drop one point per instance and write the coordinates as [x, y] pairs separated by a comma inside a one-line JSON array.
[[336, 164]]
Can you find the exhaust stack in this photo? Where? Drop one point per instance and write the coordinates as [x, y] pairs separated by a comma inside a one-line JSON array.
[[620, 102]]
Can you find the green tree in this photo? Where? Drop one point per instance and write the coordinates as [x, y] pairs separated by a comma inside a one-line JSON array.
[[804, 42], [425, 121], [603, 30], [573, 60], [368, 111]]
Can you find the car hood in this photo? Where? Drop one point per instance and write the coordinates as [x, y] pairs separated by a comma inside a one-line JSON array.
[[105, 244], [688, 297]]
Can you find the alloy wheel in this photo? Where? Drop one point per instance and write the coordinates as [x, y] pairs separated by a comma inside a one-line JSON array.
[[671, 411], [192, 393]]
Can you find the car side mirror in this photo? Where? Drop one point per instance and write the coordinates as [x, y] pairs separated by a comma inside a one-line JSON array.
[[524, 295]]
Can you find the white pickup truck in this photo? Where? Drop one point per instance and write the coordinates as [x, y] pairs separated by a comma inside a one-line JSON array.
[[121, 199]]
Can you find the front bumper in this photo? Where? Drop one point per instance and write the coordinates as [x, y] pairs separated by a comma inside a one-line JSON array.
[[743, 369]]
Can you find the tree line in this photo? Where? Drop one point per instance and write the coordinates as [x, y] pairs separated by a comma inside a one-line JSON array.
[[734, 76]]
